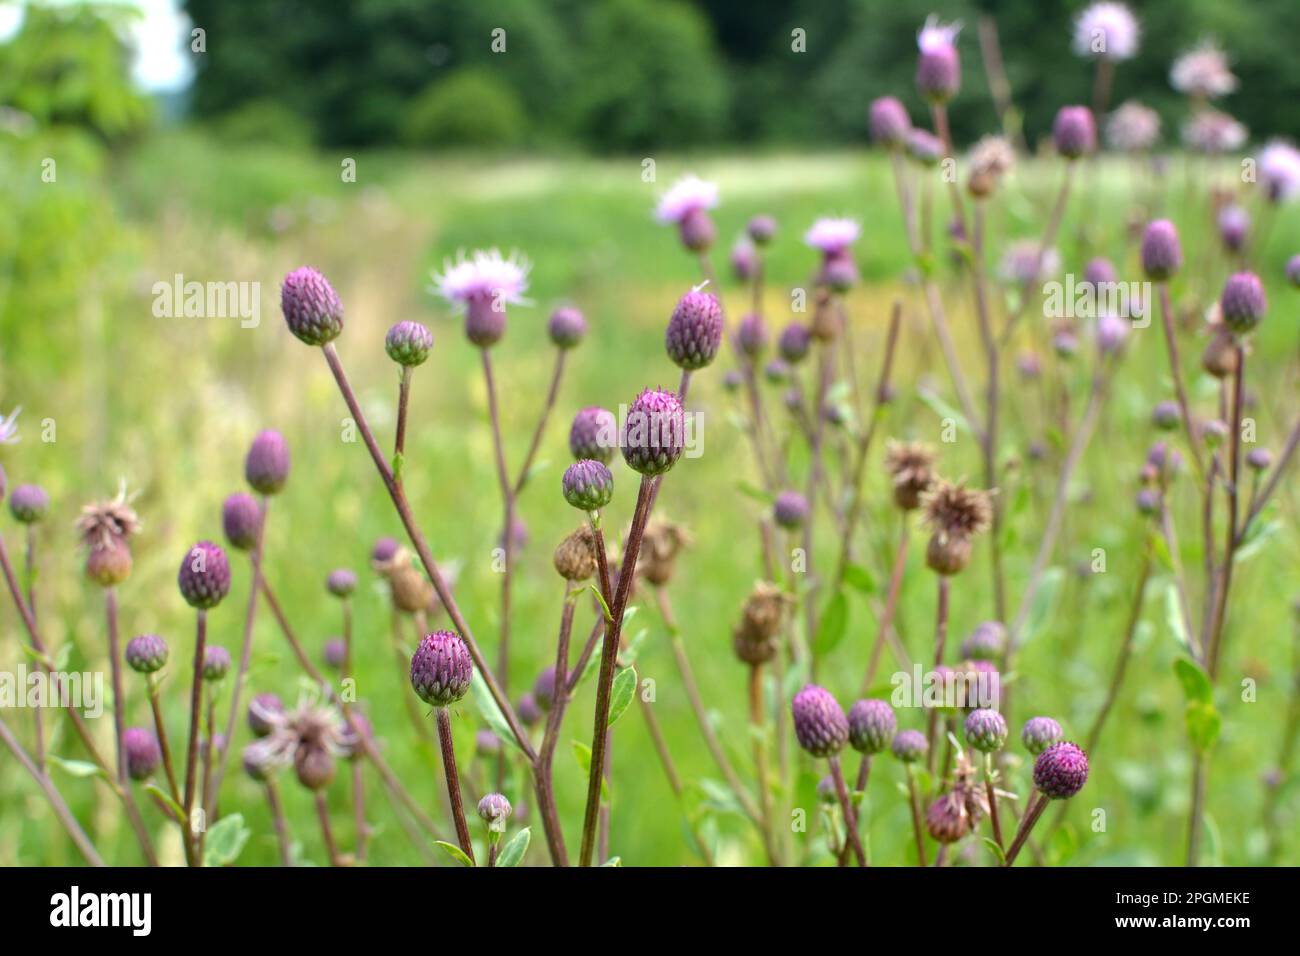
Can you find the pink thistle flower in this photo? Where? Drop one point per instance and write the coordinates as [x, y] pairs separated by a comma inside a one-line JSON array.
[[1107, 31], [1279, 171], [1203, 72], [688, 195], [1210, 131], [1133, 128], [833, 236], [484, 274]]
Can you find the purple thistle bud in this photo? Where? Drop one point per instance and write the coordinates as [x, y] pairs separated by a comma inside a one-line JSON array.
[[1259, 459], [1029, 365], [1234, 224], [1074, 131], [1040, 733], [1065, 343], [408, 343], [142, 752], [1112, 332], [529, 713], [441, 669], [1162, 254], [352, 741], [694, 330], [1099, 270], [819, 721], [385, 550], [888, 121], [986, 730], [485, 319], [1061, 770], [263, 710], [871, 726], [697, 230], [733, 380], [1148, 501], [1242, 303], [544, 689], [744, 259], [839, 271], [241, 518], [751, 335], [654, 434], [588, 485], [486, 743], [909, 746], [566, 327], [341, 582], [311, 307], [938, 69], [258, 763], [335, 653], [924, 147], [204, 576], [28, 503], [826, 792], [790, 510], [794, 342], [1213, 431], [761, 229], [267, 466], [1166, 416], [494, 810], [1293, 270], [146, 654], [986, 642], [594, 434], [777, 371], [216, 662]]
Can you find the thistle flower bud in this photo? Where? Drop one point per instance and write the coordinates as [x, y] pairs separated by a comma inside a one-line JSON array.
[[790, 510], [1061, 770], [744, 259], [938, 68], [924, 147], [819, 722], [794, 342], [441, 669], [761, 229], [485, 319], [267, 466], [827, 794], [986, 642], [529, 713], [1162, 254], [733, 380], [777, 371], [1039, 733], [241, 519], [204, 576], [697, 230], [216, 662], [544, 689], [1259, 459], [986, 730], [909, 746], [142, 752], [871, 726], [1234, 224], [566, 327], [1074, 132], [408, 343], [146, 654], [588, 485], [353, 741], [257, 763], [751, 335], [1065, 342], [486, 743], [654, 435], [1293, 270], [263, 709], [1148, 501], [1166, 416], [839, 272], [385, 550], [341, 582], [109, 564], [1099, 271], [28, 503], [335, 653], [947, 819], [494, 809], [1242, 303], [888, 121], [575, 558], [314, 766], [594, 434], [311, 307], [1112, 332], [1213, 431], [1220, 356], [694, 330]]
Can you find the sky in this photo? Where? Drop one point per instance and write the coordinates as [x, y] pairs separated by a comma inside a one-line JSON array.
[[159, 38]]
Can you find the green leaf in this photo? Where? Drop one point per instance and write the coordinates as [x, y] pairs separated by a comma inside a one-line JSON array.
[[1174, 616], [834, 623], [1196, 685], [943, 409], [860, 578], [490, 712], [583, 753], [719, 798], [77, 768], [512, 854], [995, 850], [620, 696], [1044, 599], [225, 840], [609, 615], [396, 466], [167, 801], [751, 491], [631, 648], [1256, 541], [613, 861], [1203, 724], [455, 852]]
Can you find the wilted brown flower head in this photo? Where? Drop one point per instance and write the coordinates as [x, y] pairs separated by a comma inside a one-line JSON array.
[[990, 159], [662, 542], [955, 510], [911, 467], [104, 524], [755, 637], [575, 558], [310, 736], [410, 587]]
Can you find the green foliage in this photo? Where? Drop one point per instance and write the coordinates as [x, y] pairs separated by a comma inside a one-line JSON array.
[[470, 107], [265, 122]]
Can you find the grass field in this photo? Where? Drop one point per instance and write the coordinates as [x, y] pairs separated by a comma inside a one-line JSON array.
[[170, 406]]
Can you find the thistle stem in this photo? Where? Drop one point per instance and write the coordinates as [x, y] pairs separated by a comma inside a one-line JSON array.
[[940, 640], [551, 395], [1176, 372], [359, 809], [327, 832], [507, 541], [156, 706], [543, 784], [891, 604], [758, 730], [29, 574], [192, 748], [850, 816], [403, 400], [992, 794], [1038, 803], [453, 782], [277, 820], [915, 806]]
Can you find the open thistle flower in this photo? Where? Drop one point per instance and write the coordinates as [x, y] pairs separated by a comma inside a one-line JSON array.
[[1061, 770], [694, 330], [654, 433], [820, 725], [938, 68], [1039, 733], [575, 559], [566, 327], [142, 752], [587, 485], [311, 307], [241, 518], [954, 514], [1279, 171], [686, 206], [911, 469], [990, 159], [1106, 31], [266, 468], [1242, 303], [408, 343], [755, 638], [833, 236], [1213, 133], [1203, 72], [204, 576], [484, 284], [594, 434], [28, 503], [888, 121], [1074, 132], [441, 669], [146, 654], [661, 542], [1133, 128], [872, 724]]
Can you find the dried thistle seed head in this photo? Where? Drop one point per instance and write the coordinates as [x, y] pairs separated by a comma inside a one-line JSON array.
[[888, 121], [654, 434], [986, 642], [1039, 733], [594, 434], [755, 638], [587, 485], [267, 466], [27, 503], [1162, 253], [947, 819], [790, 510], [142, 752], [820, 725], [955, 510], [911, 468], [1242, 304], [575, 558], [146, 654], [441, 669], [872, 725], [1074, 132], [1061, 770], [529, 713], [661, 542], [751, 335], [341, 582], [204, 576], [216, 662], [990, 159], [110, 564], [241, 519], [311, 307], [566, 327], [794, 342], [909, 746], [544, 689], [494, 809], [694, 330], [104, 523], [314, 766], [410, 589], [264, 710], [335, 653], [408, 343], [1220, 355], [986, 730]]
